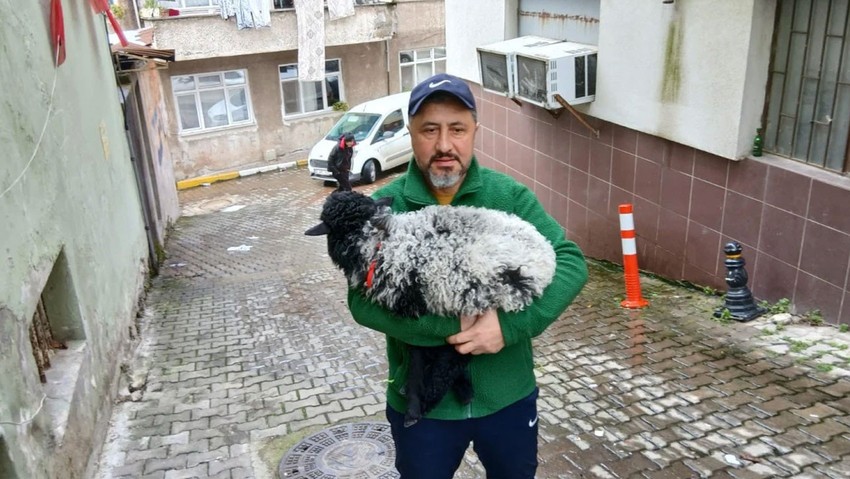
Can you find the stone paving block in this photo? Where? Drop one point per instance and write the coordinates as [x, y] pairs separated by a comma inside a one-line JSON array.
[[206, 456], [199, 471], [178, 427], [837, 469], [833, 449], [678, 470], [198, 446], [825, 430], [165, 464]]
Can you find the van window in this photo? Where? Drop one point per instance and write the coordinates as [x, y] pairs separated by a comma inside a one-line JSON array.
[[393, 123], [358, 123]]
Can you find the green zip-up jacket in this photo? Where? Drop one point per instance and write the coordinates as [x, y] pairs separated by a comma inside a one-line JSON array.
[[500, 379]]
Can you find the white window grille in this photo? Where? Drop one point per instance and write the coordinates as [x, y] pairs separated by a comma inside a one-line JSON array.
[[300, 97], [212, 100], [417, 65], [808, 113]]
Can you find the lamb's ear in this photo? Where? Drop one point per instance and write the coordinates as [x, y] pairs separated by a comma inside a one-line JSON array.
[[318, 230], [380, 222], [385, 201]]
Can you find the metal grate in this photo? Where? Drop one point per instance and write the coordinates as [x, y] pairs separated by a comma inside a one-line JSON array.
[[357, 450], [808, 114], [41, 338]]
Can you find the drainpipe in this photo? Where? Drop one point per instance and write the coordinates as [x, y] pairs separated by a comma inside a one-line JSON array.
[[387, 47]]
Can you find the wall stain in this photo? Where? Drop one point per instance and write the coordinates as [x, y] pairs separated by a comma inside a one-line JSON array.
[[545, 16], [672, 80]]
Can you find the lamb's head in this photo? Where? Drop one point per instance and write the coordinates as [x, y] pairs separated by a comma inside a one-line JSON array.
[[345, 217]]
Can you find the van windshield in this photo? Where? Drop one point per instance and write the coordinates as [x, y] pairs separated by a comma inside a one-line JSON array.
[[358, 123]]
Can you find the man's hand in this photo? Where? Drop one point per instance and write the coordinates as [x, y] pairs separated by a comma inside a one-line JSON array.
[[480, 334]]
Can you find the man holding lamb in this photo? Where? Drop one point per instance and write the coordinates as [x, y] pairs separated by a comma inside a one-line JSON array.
[[501, 420]]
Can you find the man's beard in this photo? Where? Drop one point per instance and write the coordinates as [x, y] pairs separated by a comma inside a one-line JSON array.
[[443, 179]]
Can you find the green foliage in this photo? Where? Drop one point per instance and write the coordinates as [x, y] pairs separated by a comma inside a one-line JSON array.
[[781, 306], [725, 316], [709, 291], [151, 4], [118, 10], [767, 332], [844, 327], [340, 106], [799, 346], [824, 368], [814, 317]]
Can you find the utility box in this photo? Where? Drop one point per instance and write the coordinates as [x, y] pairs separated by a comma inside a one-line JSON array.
[[567, 69], [496, 62]]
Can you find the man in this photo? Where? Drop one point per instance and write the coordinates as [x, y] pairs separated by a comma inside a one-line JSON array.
[[339, 161], [501, 420]]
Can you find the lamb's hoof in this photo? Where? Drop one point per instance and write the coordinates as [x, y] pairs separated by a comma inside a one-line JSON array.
[[409, 421]]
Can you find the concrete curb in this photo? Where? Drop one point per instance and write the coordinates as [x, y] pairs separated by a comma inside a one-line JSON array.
[[229, 175]]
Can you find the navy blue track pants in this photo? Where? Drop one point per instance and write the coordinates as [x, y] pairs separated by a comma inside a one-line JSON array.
[[505, 442]]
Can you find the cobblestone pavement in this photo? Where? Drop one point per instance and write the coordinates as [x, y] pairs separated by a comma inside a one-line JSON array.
[[247, 348]]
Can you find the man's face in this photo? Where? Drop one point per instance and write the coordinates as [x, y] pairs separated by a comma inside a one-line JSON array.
[[443, 137]]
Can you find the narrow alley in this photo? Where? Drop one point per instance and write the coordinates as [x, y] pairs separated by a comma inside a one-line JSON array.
[[247, 350]]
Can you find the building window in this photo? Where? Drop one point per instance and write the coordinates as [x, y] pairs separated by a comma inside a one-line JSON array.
[[808, 113], [212, 100], [417, 65], [188, 3], [301, 97], [281, 4]]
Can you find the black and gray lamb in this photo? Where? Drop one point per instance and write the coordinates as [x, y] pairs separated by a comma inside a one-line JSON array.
[[441, 260]]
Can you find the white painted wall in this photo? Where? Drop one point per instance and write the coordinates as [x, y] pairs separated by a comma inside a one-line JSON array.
[[471, 23], [722, 60]]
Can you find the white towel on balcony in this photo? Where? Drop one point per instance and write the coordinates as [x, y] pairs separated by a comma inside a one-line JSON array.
[[248, 13], [310, 15], [340, 8]]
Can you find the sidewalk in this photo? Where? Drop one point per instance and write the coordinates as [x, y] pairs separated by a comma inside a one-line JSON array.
[[247, 349]]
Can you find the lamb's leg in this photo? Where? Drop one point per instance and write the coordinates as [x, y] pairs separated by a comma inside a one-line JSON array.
[[415, 385], [463, 387], [443, 367]]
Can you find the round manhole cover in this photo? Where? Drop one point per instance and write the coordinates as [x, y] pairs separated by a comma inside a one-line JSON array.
[[361, 450]]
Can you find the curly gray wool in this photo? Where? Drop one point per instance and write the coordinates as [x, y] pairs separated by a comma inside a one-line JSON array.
[[460, 260]]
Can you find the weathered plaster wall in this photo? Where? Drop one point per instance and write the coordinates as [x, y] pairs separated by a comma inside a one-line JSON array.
[[205, 36], [421, 24], [66, 184], [194, 154], [156, 115]]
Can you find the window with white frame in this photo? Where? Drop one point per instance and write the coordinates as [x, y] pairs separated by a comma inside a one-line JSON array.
[[417, 65], [300, 97], [212, 100]]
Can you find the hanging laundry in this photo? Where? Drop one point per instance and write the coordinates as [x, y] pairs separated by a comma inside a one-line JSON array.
[[248, 13], [310, 15], [340, 8]]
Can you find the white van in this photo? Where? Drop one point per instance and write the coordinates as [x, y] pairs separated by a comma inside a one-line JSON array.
[[380, 130]]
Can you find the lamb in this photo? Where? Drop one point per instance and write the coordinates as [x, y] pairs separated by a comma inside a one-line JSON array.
[[442, 260]]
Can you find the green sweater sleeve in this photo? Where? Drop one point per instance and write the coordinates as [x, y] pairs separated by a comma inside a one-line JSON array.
[[427, 330], [570, 276]]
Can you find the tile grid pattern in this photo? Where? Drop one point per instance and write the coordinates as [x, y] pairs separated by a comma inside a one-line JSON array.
[[791, 218]]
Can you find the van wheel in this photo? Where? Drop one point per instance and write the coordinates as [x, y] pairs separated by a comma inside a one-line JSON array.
[[370, 172], [329, 183]]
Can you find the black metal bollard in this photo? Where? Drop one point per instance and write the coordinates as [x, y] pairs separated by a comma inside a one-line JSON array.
[[739, 299]]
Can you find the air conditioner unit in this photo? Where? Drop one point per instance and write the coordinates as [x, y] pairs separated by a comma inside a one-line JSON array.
[[496, 62], [565, 68]]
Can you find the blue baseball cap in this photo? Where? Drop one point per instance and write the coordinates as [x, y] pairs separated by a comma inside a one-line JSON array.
[[441, 82]]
